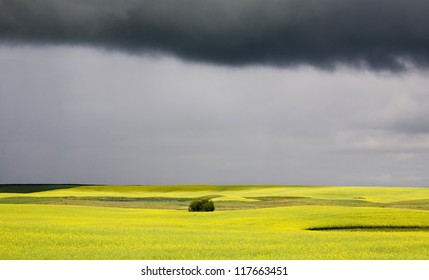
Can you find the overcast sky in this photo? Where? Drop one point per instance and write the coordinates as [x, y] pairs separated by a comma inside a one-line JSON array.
[[214, 92]]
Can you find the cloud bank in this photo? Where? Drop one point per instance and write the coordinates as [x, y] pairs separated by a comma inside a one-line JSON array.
[[380, 35]]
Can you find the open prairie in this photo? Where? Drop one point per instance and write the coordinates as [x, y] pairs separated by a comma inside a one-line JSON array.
[[250, 222]]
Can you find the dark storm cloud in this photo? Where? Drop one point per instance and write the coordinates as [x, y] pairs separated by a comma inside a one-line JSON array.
[[382, 34]]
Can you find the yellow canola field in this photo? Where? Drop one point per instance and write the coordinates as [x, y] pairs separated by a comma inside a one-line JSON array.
[[239, 193], [83, 232]]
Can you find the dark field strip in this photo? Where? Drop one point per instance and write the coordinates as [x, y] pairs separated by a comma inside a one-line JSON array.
[[30, 188], [121, 202], [371, 228], [182, 203]]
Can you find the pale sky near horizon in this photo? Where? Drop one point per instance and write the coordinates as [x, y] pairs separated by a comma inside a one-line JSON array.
[[136, 93]]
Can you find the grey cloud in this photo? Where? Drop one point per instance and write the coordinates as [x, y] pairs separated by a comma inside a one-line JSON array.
[[416, 123], [406, 111], [382, 34], [78, 115]]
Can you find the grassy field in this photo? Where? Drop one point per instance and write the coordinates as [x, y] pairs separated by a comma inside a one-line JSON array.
[[250, 222]]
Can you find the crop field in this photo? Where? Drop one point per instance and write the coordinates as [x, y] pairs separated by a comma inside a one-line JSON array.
[[250, 222]]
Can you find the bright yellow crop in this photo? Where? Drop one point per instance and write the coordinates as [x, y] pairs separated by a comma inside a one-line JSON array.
[[80, 232], [240, 193]]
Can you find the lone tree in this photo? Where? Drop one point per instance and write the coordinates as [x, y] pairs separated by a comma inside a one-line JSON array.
[[201, 205]]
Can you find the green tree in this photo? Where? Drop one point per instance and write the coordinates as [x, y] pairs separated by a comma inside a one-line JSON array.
[[201, 205]]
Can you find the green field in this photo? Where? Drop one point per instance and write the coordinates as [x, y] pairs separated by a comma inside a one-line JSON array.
[[250, 222]]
